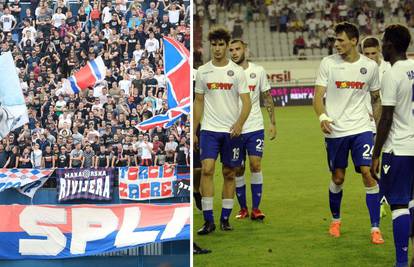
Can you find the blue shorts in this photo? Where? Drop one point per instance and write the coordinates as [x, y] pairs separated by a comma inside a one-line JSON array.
[[253, 143], [214, 143], [360, 145], [397, 176]]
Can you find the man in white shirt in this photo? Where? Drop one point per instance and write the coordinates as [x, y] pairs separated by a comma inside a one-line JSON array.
[[220, 85], [138, 52], [152, 45], [395, 137], [253, 130], [348, 78], [174, 12], [125, 84], [146, 150], [107, 12], [58, 18], [28, 28], [171, 145], [8, 21]]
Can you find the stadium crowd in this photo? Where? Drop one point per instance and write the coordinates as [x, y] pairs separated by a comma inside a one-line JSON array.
[[51, 40], [311, 20]]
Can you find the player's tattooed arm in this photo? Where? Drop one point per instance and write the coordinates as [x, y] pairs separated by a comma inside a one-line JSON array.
[[376, 105], [270, 107]]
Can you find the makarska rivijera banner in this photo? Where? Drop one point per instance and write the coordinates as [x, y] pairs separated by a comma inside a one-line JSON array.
[[141, 183], [49, 231], [96, 184]]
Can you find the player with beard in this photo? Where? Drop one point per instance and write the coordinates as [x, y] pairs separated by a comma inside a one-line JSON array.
[[253, 131]]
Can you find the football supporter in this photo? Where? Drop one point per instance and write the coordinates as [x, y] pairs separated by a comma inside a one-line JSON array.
[[348, 78], [395, 138], [253, 131], [220, 85]]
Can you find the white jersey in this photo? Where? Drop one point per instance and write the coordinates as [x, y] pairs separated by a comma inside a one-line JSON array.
[[257, 83], [383, 67], [7, 21], [347, 86], [221, 87], [397, 90]]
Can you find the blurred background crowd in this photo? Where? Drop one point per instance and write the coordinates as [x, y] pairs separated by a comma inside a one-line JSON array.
[[285, 30], [51, 40]]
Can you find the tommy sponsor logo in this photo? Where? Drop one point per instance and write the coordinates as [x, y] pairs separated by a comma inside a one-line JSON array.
[[219, 86], [349, 85], [386, 168], [252, 88]]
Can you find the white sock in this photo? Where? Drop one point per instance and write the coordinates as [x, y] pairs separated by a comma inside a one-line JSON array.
[[240, 181], [207, 203]]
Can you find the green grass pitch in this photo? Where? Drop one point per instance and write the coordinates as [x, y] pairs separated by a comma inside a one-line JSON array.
[[295, 201]]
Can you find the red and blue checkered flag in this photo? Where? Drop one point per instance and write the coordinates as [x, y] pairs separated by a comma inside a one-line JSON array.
[[177, 72]]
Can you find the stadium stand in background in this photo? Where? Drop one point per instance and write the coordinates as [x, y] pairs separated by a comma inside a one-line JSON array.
[[290, 30]]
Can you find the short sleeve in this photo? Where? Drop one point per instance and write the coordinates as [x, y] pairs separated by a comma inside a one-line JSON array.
[[375, 82], [242, 83], [323, 73], [199, 88], [264, 82], [389, 89]]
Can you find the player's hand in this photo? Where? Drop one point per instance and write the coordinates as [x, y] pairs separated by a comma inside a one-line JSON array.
[[326, 126], [235, 130], [195, 142], [375, 168], [272, 131]]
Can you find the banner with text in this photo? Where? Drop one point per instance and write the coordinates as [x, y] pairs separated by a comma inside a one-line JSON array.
[[142, 183], [292, 95], [94, 184], [51, 232]]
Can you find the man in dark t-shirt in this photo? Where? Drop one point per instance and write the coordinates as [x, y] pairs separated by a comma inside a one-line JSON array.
[[3, 156], [63, 158]]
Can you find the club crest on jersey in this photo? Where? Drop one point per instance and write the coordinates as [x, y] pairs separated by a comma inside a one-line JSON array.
[[230, 73], [349, 85], [252, 75], [219, 86], [363, 70]]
